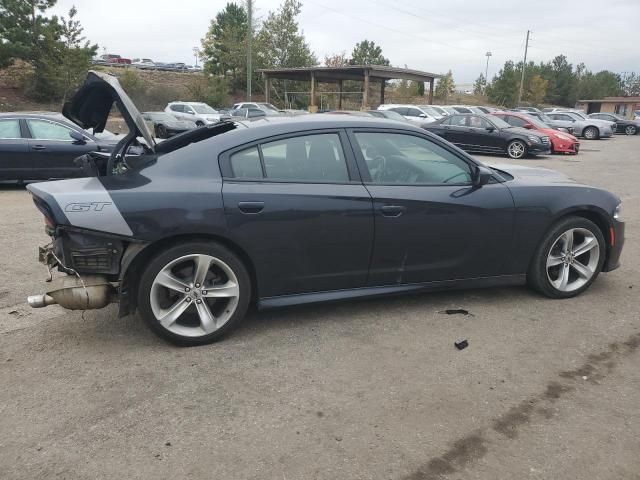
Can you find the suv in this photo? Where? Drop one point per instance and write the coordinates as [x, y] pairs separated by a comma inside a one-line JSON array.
[[419, 114], [200, 113]]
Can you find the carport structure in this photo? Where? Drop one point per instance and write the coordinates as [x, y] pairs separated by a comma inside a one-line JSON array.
[[361, 73]]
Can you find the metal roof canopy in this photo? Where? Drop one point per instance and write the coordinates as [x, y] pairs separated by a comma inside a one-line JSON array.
[[362, 73]]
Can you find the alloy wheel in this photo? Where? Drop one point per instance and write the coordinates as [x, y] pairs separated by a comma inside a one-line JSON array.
[[630, 130], [590, 133], [573, 259], [516, 149], [194, 295]]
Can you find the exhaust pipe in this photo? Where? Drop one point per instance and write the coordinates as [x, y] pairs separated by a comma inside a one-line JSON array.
[[93, 292]]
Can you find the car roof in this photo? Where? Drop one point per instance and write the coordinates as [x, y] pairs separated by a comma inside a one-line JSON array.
[[54, 115]]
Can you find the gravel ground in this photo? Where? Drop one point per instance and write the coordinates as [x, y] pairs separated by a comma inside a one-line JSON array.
[[369, 389]]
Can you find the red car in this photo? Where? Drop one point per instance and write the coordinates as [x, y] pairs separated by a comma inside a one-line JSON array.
[[561, 142], [110, 58]]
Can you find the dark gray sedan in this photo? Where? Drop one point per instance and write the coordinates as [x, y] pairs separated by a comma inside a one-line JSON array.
[[284, 211], [44, 145]]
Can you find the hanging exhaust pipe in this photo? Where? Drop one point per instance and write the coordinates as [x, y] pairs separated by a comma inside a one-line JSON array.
[[90, 293]]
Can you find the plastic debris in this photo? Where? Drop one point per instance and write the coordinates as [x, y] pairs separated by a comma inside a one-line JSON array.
[[455, 311], [462, 344]]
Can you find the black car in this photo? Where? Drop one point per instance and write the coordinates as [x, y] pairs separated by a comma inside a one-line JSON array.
[[44, 145], [288, 211], [628, 127], [166, 125], [489, 134]]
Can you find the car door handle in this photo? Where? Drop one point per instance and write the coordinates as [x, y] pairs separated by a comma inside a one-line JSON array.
[[38, 147], [251, 207], [392, 210]]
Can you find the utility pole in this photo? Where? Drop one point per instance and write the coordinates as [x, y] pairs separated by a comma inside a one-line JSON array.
[[524, 66], [486, 73], [249, 52]]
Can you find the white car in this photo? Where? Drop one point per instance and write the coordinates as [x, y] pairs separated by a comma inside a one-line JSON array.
[[198, 112], [143, 63], [419, 114], [267, 108]]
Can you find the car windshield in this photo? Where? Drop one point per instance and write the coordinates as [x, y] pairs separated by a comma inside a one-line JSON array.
[[574, 115], [442, 111], [498, 122], [616, 116], [390, 114], [430, 110], [535, 122], [580, 115], [268, 106], [203, 108]]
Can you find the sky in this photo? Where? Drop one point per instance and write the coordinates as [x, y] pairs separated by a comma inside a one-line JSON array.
[[430, 35]]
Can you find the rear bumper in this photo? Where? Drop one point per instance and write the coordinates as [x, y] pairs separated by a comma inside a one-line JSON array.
[[614, 251]]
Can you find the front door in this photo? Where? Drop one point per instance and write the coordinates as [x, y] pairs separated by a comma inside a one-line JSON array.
[[53, 151], [431, 223], [297, 206], [15, 161], [484, 136]]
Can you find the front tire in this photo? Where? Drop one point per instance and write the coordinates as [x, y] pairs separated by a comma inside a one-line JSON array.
[[194, 293], [568, 259], [199, 123], [591, 133], [630, 130], [517, 149]]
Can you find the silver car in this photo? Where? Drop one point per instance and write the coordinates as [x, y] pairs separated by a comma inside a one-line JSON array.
[[197, 112], [589, 128]]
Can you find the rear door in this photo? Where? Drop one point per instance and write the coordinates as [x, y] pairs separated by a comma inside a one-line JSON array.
[[15, 159], [53, 151], [297, 205], [431, 222]]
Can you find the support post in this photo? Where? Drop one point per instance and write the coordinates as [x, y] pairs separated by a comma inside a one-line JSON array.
[[382, 85], [339, 94], [312, 103], [431, 91], [267, 88], [365, 93]]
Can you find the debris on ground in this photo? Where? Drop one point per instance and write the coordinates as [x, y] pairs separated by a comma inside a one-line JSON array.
[[456, 311], [461, 345]]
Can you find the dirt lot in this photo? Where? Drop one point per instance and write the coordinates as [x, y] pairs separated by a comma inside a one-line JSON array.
[[370, 389]]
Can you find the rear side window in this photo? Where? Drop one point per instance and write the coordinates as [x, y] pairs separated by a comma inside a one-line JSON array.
[[9, 129], [310, 158], [515, 121], [246, 164]]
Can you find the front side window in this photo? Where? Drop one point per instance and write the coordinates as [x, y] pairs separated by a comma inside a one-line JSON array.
[[400, 110], [177, 108], [414, 112], [478, 122], [395, 158], [515, 121], [44, 130], [9, 129], [310, 158], [459, 121]]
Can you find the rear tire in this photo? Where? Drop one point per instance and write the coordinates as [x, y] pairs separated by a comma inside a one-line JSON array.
[[194, 293], [517, 149], [591, 133], [162, 131], [565, 269]]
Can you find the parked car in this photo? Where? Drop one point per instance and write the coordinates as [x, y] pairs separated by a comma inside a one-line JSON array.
[[544, 118], [486, 109], [388, 114], [165, 125], [489, 134], [267, 108], [248, 113], [525, 109], [415, 113], [44, 145], [117, 59], [198, 112], [561, 142], [589, 128], [628, 127], [441, 111], [462, 109], [304, 210], [143, 63]]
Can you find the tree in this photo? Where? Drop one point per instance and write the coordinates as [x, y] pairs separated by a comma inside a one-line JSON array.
[[224, 45], [367, 53], [537, 89], [562, 82], [280, 43], [601, 84], [76, 52], [480, 85], [503, 89], [336, 60], [445, 86]]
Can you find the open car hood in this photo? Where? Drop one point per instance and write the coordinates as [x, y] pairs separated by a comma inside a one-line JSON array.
[[92, 103]]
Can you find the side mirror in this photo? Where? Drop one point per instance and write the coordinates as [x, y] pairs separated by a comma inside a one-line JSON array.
[[528, 126], [490, 129], [483, 176], [422, 115], [78, 137]]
